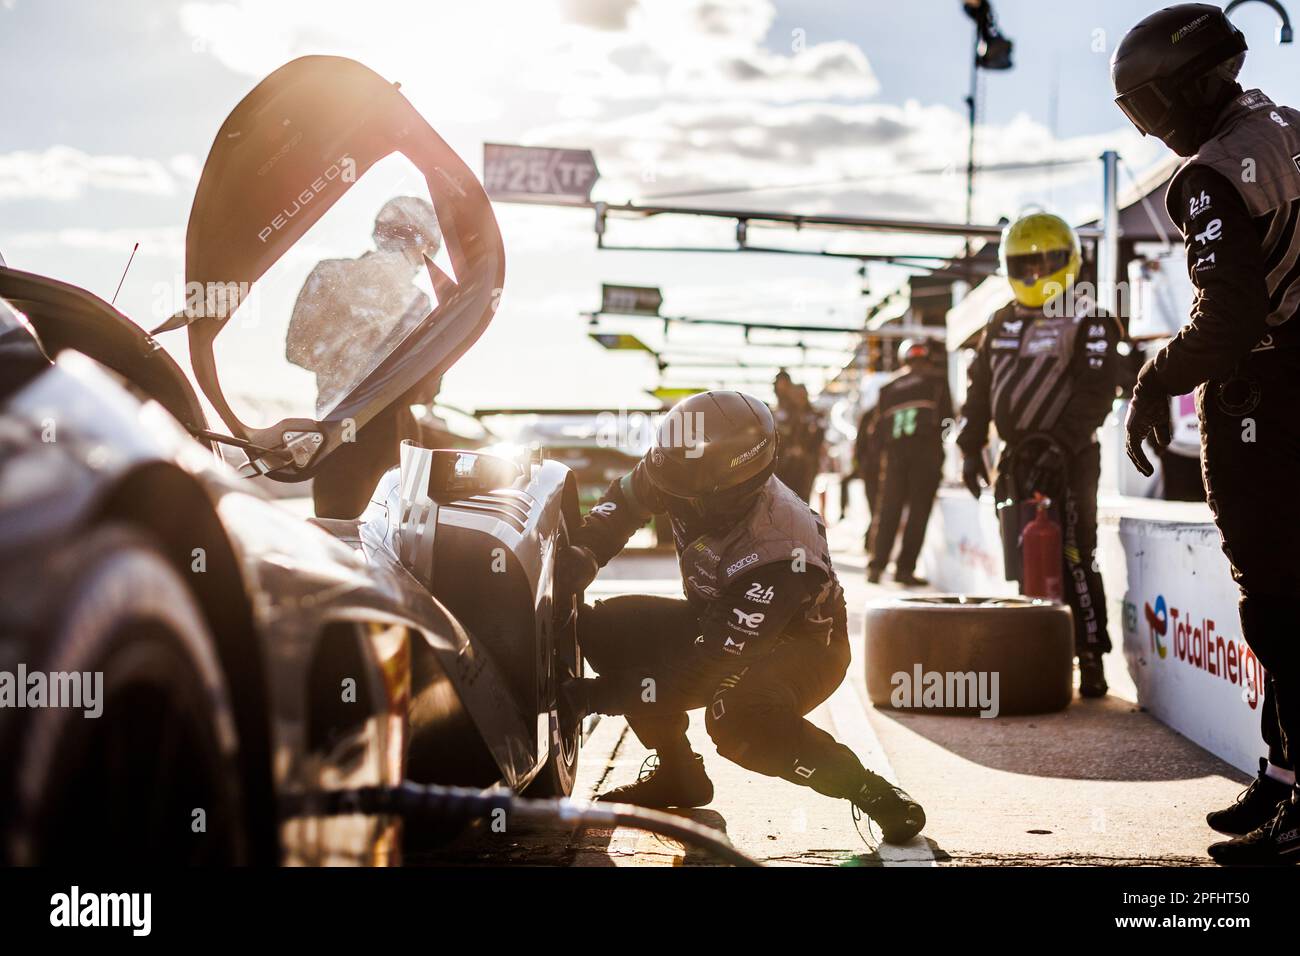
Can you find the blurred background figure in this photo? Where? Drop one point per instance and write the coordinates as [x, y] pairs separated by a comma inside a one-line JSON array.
[[801, 436], [866, 465], [356, 307], [905, 438]]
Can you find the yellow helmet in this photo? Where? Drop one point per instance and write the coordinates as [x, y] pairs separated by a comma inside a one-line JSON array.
[[1040, 256]]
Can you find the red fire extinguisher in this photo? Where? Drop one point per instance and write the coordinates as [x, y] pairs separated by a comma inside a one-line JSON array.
[[1040, 549]]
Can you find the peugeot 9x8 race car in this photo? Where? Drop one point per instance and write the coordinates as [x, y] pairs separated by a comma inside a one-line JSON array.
[[190, 667]]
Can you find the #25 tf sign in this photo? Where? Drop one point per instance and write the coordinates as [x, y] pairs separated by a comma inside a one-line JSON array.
[[512, 173]]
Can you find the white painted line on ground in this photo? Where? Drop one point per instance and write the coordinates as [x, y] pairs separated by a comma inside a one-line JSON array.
[[854, 730]]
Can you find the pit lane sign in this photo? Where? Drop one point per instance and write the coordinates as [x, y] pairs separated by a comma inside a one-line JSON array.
[[630, 299], [514, 173]]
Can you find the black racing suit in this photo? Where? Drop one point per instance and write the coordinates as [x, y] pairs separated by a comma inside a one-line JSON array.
[[801, 435], [759, 642], [1038, 374], [908, 424], [1242, 348], [866, 459]]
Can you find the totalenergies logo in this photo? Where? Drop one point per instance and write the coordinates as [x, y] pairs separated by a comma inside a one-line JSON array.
[[1197, 642], [1158, 624]]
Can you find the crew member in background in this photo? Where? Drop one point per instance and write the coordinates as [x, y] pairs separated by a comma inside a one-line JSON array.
[[1175, 77], [761, 638], [908, 424], [351, 309], [801, 437], [1044, 375], [866, 458], [815, 442]]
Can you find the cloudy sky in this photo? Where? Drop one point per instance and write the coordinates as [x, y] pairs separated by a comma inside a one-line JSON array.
[[852, 107]]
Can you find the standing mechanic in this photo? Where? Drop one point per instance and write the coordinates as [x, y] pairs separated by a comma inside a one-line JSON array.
[[1044, 374], [761, 638], [907, 424], [802, 436], [1236, 199]]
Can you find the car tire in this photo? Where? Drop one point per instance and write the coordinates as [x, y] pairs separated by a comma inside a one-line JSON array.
[[558, 774], [125, 786], [1028, 643]]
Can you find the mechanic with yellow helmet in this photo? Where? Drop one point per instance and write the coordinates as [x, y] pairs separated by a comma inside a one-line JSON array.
[[1044, 374]]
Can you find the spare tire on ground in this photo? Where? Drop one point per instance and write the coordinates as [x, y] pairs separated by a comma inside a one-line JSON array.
[[954, 654]]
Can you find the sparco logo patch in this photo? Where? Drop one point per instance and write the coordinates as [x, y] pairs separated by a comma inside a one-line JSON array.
[[748, 455], [744, 562]]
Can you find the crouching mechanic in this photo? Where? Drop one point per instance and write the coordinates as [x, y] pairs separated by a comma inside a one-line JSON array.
[[1241, 352], [760, 639], [1044, 374]]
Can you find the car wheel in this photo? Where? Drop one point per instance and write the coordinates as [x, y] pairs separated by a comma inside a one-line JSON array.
[[557, 777], [153, 777], [1028, 644]]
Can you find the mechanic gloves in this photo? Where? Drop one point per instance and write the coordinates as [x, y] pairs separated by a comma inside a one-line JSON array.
[[1148, 415], [973, 472], [575, 568]]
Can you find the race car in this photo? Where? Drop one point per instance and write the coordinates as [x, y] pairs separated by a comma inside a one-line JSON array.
[[191, 668]]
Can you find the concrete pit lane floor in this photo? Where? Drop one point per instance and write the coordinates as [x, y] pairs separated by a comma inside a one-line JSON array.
[[1099, 784]]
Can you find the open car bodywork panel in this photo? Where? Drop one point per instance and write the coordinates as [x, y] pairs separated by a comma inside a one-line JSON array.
[[287, 153]]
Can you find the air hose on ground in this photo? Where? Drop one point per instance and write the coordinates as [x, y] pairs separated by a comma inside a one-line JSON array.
[[423, 802]]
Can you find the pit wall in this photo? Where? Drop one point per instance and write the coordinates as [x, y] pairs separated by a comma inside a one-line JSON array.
[[1172, 604]]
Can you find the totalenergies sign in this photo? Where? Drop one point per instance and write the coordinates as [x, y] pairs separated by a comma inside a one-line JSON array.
[[1197, 642]]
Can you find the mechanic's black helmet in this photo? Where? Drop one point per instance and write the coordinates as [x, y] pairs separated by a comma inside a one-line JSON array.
[[1175, 71], [713, 453]]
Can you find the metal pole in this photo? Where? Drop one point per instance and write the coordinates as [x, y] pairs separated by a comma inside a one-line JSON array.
[[971, 113], [1108, 245]]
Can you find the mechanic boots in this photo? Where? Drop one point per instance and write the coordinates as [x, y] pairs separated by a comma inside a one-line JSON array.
[[1092, 676], [1255, 806], [682, 783], [899, 816], [1275, 843]]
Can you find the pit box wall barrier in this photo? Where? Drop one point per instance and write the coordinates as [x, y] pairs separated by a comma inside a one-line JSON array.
[[1172, 608]]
